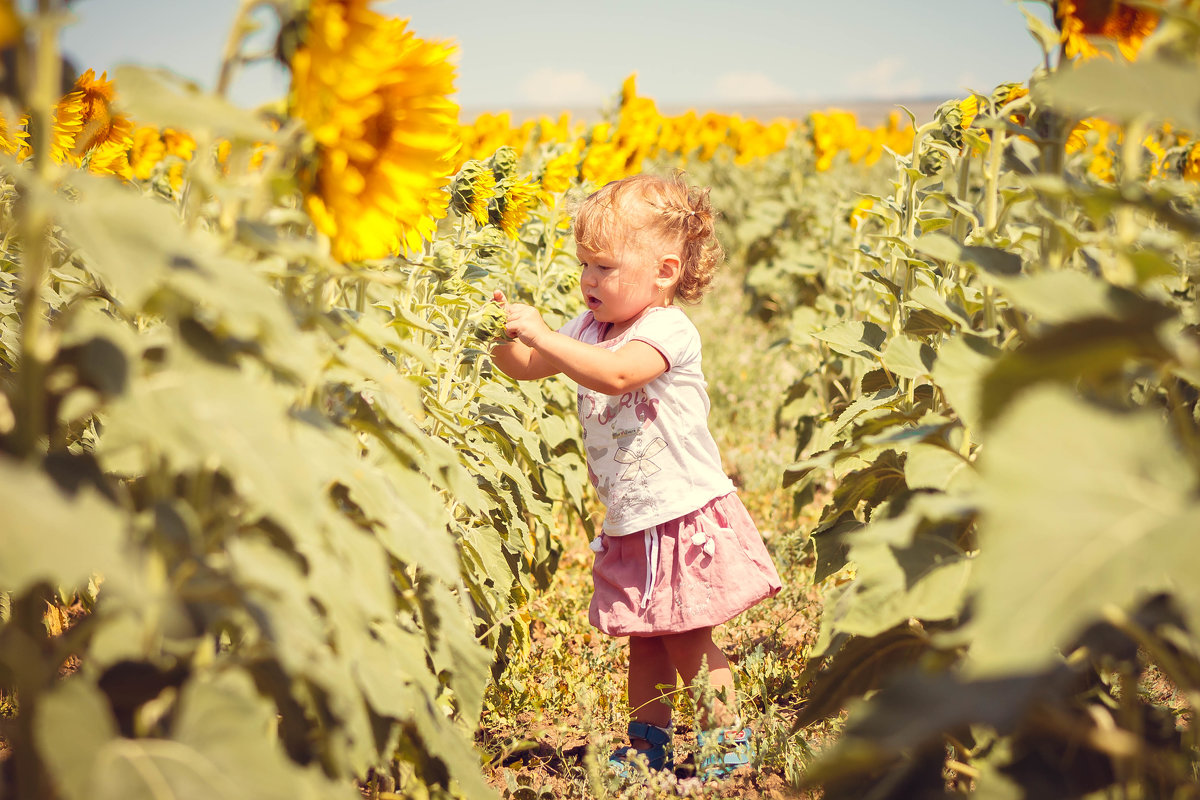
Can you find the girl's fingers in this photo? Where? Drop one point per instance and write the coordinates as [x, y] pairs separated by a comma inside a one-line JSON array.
[[498, 296]]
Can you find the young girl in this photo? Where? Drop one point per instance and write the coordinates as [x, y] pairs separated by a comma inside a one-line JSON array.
[[678, 554]]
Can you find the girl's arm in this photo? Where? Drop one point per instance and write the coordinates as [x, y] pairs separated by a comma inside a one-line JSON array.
[[540, 351], [519, 360]]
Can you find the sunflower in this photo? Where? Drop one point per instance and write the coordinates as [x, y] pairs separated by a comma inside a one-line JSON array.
[[100, 127], [68, 122], [179, 143], [1093, 137], [111, 158], [860, 211], [558, 172], [1124, 24], [514, 200], [376, 101], [473, 187], [1191, 163], [147, 151], [14, 140]]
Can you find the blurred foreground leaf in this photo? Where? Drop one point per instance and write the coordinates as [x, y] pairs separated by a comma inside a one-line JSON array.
[[1082, 509]]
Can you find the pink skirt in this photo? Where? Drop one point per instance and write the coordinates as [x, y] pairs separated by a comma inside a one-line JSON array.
[[699, 570]]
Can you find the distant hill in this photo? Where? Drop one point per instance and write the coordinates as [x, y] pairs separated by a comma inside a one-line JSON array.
[[870, 112]]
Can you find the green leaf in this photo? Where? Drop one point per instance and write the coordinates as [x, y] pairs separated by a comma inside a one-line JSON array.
[[72, 726], [1065, 295], [161, 98], [989, 259], [871, 485], [131, 242], [854, 338], [1096, 348], [1046, 36], [908, 358], [51, 537], [1155, 90], [453, 647], [1083, 510], [221, 746], [865, 403], [860, 665], [932, 467], [913, 712], [927, 297], [962, 363], [922, 322], [907, 567]]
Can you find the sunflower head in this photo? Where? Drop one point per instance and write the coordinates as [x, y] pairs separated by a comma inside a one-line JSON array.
[[858, 214], [558, 172], [473, 187], [1125, 25], [13, 138], [629, 89], [1191, 162], [375, 99], [515, 199]]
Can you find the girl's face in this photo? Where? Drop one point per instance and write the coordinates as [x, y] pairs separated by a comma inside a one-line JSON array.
[[620, 285]]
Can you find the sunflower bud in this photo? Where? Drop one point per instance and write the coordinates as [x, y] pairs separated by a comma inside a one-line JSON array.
[[492, 319], [445, 260], [951, 134], [457, 287], [932, 160], [504, 164], [489, 242], [473, 187], [1005, 93]]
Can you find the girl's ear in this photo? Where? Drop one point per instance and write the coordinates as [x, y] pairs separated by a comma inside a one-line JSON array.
[[670, 270]]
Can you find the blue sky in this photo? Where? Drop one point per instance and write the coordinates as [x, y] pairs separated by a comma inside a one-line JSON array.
[[521, 53]]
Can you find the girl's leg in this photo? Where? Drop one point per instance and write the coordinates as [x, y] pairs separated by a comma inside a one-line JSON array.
[[687, 651], [649, 666]]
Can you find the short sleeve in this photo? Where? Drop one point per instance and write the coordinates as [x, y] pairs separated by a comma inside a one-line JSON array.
[[671, 333], [575, 327]]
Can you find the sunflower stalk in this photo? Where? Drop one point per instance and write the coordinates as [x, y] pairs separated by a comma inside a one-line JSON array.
[[992, 214], [232, 57], [34, 220], [1053, 152], [962, 191], [1131, 168]]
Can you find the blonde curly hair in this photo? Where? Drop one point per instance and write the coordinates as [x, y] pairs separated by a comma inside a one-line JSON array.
[[678, 215]]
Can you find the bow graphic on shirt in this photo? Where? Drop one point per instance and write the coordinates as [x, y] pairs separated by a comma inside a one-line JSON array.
[[640, 463]]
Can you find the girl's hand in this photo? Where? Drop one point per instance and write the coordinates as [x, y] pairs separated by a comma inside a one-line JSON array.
[[524, 322]]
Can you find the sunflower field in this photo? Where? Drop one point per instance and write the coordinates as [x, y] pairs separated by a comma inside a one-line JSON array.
[[274, 526]]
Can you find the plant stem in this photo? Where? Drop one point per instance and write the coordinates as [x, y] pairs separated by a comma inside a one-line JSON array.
[[230, 58], [37, 346]]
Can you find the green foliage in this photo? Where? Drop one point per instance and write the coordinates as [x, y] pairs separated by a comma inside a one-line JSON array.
[[998, 376], [303, 512]]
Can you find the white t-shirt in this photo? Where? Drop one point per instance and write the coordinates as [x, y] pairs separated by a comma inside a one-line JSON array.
[[650, 454]]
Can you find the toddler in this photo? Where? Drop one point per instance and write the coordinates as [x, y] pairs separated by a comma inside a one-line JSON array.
[[678, 553]]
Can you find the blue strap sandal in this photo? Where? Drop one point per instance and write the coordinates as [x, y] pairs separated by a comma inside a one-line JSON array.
[[721, 751], [658, 755]]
